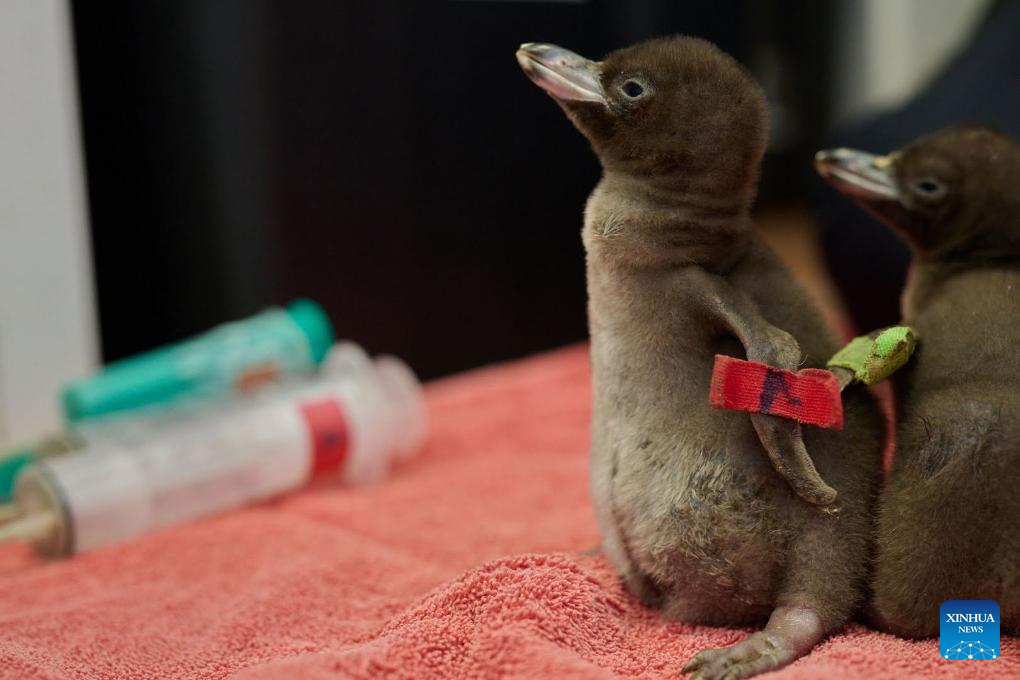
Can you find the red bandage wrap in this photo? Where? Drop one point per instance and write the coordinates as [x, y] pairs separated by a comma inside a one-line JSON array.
[[809, 396]]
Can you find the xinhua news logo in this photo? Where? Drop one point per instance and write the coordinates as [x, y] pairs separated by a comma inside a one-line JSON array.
[[969, 630]]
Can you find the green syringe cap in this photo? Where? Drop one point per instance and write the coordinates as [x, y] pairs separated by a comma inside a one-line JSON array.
[[314, 323]]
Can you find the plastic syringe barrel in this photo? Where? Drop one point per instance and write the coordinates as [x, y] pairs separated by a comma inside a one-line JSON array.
[[233, 357], [143, 424], [352, 423]]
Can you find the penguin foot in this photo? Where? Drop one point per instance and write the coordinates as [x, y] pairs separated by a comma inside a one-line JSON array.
[[791, 632], [756, 654]]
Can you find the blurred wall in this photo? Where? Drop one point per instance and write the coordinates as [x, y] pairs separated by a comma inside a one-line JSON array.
[[47, 325], [886, 50], [388, 159]]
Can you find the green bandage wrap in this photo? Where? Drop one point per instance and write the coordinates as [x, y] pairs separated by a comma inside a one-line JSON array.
[[873, 359]]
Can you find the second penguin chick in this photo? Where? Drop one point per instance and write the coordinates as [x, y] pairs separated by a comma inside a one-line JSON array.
[[697, 506], [948, 516]]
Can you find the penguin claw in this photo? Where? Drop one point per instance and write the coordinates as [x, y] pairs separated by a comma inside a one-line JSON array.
[[757, 654], [699, 660]]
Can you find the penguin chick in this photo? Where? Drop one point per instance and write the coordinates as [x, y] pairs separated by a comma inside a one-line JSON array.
[[697, 506], [947, 526]]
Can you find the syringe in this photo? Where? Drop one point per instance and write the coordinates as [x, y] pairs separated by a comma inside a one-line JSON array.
[[141, 425], [353, 421]]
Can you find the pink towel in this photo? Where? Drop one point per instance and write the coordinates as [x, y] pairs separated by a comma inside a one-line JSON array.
[[464, 564]]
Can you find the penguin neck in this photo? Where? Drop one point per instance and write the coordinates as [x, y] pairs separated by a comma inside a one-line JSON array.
[[641, 223], [928, 275]]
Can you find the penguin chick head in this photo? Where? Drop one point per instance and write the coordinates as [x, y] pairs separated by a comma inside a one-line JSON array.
[[677, 111], [952, 195]]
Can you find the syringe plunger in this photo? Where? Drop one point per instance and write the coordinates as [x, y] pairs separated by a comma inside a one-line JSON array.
[[31, 527]]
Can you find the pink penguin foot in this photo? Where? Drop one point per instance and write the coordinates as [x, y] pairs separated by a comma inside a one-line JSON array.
[[790, 633]]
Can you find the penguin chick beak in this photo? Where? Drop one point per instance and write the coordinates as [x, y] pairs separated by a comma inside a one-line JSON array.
[[859, 174], [568, 77]]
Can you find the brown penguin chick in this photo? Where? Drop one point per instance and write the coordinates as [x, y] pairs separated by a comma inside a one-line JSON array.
[[697, 506], [948, 515]]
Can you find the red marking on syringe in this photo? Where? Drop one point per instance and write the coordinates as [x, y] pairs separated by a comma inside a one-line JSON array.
[[329, 434]]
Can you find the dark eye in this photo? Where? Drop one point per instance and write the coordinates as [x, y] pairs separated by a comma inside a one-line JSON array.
[[633, 89], [929, 187]]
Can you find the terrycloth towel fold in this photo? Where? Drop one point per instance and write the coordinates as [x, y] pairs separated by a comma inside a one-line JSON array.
[[464, 564]]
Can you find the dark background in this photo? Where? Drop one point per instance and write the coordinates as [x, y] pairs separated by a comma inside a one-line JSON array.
[[387, 159]]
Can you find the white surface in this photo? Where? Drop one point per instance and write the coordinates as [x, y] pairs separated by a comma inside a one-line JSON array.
[[47, 318], [888, 49]]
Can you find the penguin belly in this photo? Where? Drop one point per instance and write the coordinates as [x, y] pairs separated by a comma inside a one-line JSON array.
[[694, 516]]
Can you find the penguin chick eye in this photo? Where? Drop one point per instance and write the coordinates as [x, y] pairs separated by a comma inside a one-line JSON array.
[[633, 89], [929, 188]]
